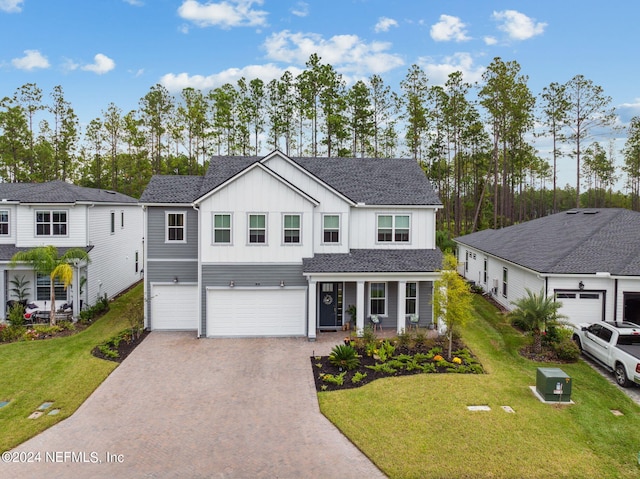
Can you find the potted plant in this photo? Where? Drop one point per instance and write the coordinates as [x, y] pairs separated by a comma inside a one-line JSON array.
[[351, 311], [20, 289]]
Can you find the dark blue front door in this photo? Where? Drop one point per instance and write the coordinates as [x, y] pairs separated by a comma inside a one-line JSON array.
[[330, 301]]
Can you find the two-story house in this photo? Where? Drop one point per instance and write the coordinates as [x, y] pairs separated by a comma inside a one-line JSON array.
[[280, 246], [108, 225]]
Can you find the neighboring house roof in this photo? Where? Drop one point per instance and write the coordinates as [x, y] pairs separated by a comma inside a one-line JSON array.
[[375, 261], [8, 250], [581, 241], [59, 192], [373, 181]]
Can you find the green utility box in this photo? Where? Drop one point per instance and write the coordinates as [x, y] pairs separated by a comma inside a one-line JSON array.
[[553, 385]]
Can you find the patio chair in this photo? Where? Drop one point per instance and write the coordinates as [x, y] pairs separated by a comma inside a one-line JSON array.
[[375, 321], [414, 320]]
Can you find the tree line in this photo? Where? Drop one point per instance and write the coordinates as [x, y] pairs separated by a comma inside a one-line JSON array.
[[475, 142]]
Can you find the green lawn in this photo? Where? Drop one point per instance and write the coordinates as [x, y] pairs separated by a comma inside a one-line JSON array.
[[61, 370], [419, 426]]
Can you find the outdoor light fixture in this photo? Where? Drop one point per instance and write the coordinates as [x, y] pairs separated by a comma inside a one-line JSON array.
[[232, 283], [282, 283], [581, 285], [175, 279]]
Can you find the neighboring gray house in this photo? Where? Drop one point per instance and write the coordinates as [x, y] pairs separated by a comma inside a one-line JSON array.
[[589, 259], [106, 224], [279, 246]]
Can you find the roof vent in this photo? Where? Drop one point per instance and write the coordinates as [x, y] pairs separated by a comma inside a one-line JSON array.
[[572, 212], [591, 212]]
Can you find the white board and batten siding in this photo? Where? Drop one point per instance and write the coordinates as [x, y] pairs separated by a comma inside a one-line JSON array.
[[174, 307], [253, 312], [256, 192], [363, 227]]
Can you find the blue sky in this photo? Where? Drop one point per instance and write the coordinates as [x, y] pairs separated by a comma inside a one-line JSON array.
[[103, 51]]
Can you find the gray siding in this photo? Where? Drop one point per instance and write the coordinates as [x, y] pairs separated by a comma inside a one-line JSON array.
[[424, 302], [155, 235], [266, 275]]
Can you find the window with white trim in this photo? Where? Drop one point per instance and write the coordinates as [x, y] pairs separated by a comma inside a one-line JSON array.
[[291, 231], [257, 229], [51, 223], [176, 227], [411, 301], [393, 228], [43, 288], [222, 228], [378, 298], [4, 223], [331, 228]]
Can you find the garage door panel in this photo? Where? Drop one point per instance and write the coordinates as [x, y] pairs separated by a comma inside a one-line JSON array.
[[174, 307], [256, 312], [580, 306]]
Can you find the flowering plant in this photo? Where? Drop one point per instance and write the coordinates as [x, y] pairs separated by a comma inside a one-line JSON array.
[[457, 360], [437, 357]]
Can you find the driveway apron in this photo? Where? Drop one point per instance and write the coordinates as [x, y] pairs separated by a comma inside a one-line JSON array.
[[180, 407]]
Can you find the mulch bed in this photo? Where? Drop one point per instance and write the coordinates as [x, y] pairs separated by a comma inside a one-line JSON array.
[[123, 350], [321, 365]]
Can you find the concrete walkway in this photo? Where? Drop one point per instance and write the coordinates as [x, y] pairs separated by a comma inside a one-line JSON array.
[[180, 407]]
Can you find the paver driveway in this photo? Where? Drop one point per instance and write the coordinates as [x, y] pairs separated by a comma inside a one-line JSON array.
[[180, 407]]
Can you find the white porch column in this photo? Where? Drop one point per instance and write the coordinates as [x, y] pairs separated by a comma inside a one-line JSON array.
[[360, 307], [312, 302], [402, 306]]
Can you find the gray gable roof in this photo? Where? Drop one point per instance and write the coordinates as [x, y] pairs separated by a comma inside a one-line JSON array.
[[375, 261], [372, 181], [59, 192], [584, 241]]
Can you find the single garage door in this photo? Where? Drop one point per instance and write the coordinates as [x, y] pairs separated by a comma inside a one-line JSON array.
[[174, 307], [581, 307], [256, 312]]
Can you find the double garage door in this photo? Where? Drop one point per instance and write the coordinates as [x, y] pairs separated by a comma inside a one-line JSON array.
[[256, 312], [581, 306]]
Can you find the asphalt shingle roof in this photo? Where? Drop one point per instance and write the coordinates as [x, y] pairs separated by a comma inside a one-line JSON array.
[[375, 261], [59, 192], [372, 181], [584, 241]]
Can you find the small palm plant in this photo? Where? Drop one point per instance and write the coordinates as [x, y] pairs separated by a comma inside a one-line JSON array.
[[344, 356], [535, 312]]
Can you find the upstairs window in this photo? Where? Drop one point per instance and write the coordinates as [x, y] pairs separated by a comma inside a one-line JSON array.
[[393, 228], [4, 223], [331, 229], [176, 227], [257, 229], [51, 223], [222, 228], [291, 229]]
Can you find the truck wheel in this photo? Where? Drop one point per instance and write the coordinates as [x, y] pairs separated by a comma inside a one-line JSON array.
[[621, 376], [576, 340]]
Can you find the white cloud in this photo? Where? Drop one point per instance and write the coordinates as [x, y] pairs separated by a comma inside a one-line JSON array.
[[517, 25], [101, 65], [490, 40], [31, 60], [346, 53], [135, 3], [449, 28], [177, 82], [69, 65], [301, 9], [462, 62], [11, 6], [384, 24], [225, 14], [626, 111]]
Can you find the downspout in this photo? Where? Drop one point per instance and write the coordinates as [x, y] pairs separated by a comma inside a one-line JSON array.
[[615, 300], [197, 210], [145, 289]]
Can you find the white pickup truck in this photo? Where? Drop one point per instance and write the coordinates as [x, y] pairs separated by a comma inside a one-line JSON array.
[[615, 345]]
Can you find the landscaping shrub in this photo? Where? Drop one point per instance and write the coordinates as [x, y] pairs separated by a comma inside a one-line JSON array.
[[16, 315], [344, 356], [566, 350], [89, 314]]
